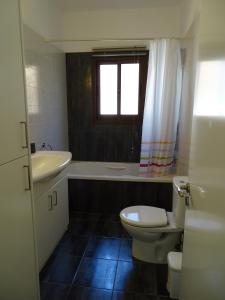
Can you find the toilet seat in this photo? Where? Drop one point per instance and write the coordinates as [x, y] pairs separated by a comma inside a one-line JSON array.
[[144, 216]]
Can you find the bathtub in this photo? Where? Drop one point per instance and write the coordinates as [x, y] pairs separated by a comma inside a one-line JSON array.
[[110, 171]]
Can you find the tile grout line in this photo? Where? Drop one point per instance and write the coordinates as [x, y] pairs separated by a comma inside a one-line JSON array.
[[117, 260], [82, 257], [116, 268]]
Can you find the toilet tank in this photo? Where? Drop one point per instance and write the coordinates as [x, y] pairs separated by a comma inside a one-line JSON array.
[[179, 202]]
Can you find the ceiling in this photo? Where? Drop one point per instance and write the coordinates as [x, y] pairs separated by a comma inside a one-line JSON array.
[[91, 5]]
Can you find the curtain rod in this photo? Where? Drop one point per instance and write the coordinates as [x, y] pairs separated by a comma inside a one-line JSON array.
[[111, 39], [119, 54], [120, 51]]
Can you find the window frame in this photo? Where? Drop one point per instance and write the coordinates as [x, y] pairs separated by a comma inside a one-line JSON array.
[[119, 59]]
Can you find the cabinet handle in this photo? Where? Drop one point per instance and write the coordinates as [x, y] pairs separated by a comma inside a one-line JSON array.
[[50, 206], [27, 188], [56, 198], [26, 134]]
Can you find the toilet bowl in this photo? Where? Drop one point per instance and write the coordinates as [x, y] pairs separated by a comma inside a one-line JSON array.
[[154, 231]]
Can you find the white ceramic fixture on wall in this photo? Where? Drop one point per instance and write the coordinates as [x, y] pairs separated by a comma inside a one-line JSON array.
[[18, 263], [46, 164]]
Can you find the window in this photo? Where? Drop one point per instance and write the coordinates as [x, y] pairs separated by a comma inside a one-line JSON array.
[[119, 83]]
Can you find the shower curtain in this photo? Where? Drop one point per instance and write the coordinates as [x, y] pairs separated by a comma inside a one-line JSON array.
[[161, 112]]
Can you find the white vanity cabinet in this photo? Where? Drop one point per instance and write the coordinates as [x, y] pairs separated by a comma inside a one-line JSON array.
[[52, 218]]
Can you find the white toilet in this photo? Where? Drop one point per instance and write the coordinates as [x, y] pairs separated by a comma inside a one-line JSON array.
[[155, 231]]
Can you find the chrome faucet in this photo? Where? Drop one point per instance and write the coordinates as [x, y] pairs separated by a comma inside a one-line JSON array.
[[45, 146]]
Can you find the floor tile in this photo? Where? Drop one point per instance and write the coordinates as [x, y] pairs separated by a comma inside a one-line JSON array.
[[161, 276], [72, 245], [51, 291], [136, 277], [107, 248], [43, 275], [125, 250], [98, 237], [85, 293], [61, 270], [97, 273], [132, 296]]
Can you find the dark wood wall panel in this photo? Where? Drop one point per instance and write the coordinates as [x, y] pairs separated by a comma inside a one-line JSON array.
[[110, 197], [89, 141]]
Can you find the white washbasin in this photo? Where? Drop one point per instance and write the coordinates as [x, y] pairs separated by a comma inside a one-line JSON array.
[[48, 163]]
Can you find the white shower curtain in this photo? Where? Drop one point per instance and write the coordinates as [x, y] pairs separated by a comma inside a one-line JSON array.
[[162, 104]]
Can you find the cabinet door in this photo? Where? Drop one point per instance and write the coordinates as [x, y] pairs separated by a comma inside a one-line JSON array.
[[45, 227], [52, 219], [12, 89], [18, 263], [61, 209]]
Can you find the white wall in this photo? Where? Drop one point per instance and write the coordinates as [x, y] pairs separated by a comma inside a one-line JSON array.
[[186, 108], [43, 16], [54, 21], [139, 23], [190, 9], [212, 23], [188, 86], [118, 24], [46, 91]]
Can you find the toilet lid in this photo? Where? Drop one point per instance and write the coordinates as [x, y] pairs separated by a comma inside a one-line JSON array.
[[144, 216]]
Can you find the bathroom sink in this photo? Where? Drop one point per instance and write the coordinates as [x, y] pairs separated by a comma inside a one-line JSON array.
[[48, 163]]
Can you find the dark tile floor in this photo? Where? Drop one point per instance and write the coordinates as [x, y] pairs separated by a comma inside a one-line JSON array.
[[93, 262]]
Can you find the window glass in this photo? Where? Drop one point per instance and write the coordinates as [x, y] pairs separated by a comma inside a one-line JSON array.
[[129, 89], [108, 89]]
